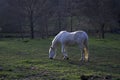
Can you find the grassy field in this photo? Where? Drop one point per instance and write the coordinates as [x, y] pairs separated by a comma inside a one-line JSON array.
[[22, 60]]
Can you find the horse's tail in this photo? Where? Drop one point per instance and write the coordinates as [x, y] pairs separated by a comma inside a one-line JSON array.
[[86, 50]]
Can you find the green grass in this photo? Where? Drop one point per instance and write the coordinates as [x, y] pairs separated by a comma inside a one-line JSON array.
[[20, 60]]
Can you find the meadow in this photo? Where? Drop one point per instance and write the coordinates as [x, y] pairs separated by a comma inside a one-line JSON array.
[[28, 60]]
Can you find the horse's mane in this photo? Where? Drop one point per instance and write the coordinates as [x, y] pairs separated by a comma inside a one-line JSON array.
[[57, 36]]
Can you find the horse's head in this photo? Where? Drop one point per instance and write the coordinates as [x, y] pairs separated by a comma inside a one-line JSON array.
[[51, 52]]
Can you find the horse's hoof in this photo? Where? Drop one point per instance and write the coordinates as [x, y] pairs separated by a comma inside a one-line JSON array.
[[66, 58], [82, 61], [51, 58]]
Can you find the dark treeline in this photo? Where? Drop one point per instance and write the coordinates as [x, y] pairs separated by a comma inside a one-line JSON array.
[[42, 18]]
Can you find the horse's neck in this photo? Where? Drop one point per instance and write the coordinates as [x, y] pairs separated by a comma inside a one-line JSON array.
[[54, 43], [58, 38]]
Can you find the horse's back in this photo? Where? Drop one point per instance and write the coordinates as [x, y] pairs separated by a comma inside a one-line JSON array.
[[75, 34], [70, 36], [80, 36]]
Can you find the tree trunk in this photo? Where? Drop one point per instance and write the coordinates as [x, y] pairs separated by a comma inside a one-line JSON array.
[[21, 32], [102, 31], [31, 25], [119, 23], [71, 28], [59, 21], [46, 27]]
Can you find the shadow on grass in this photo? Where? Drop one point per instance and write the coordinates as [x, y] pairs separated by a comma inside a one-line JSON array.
[[73, 62]]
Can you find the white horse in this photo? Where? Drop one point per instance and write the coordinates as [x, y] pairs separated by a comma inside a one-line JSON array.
[[70, 38]]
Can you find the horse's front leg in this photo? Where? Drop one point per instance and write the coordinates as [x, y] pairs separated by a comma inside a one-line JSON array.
[[64, 52]]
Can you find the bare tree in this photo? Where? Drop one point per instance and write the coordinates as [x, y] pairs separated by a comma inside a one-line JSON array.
[[30, 9], [98, 11], [38, 15]]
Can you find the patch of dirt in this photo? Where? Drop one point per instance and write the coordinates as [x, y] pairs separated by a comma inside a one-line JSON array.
[[42, 75], [93, 77]]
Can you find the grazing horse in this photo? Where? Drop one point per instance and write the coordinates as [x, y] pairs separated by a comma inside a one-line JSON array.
[[65, 38]]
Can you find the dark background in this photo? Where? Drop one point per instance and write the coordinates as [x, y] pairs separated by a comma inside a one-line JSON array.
[[43, 18]]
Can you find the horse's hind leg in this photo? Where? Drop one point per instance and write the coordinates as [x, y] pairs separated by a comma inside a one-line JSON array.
[[82, 53], [64, 52], [86, 52]]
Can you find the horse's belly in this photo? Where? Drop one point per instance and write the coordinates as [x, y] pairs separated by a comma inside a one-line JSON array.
[[70, 43]]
